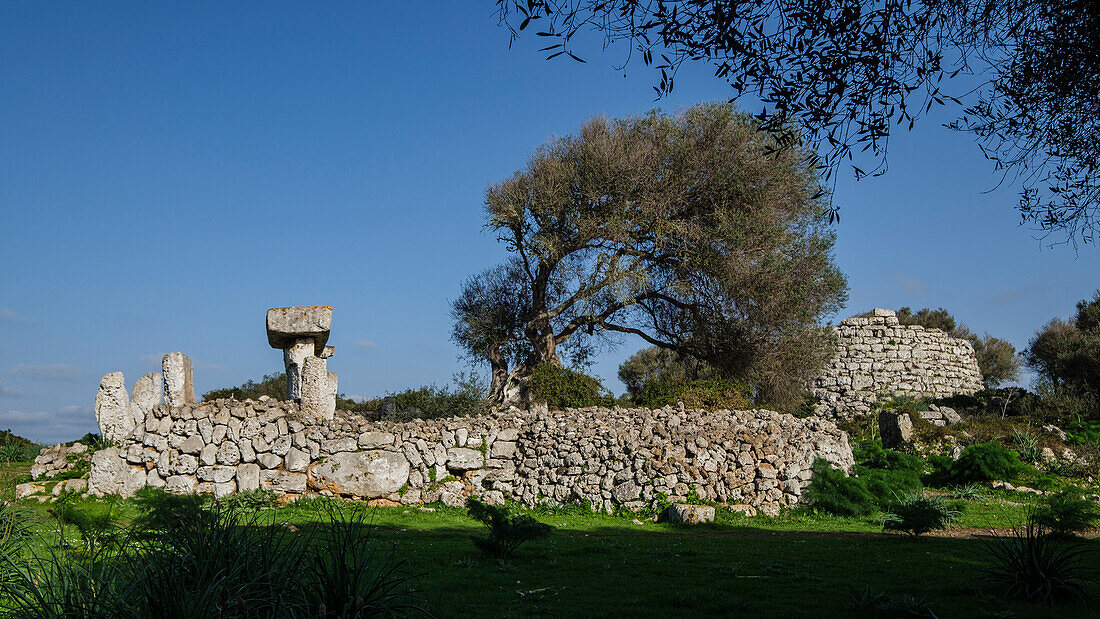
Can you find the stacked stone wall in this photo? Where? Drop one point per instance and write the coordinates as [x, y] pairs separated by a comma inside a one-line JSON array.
[[599, 456], [879, 358]]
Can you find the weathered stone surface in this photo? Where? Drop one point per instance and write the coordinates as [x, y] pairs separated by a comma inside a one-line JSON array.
[[373, 440], [193, 445], [269, 461], [282, 481], [315, 388], [287, 324], [294, 357], [464, 459], [216, 474], [112, 408], [296, 460], [690, 514], [70, 485], [179, 381], [147, 393], [111, 474], [181, 484], [368, 474], [23, 491], [248, 477], [626, 491], [896, 428], [60, 458], [330, 394]]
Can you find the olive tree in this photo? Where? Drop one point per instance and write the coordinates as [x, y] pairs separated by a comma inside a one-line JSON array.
[[693, 232]]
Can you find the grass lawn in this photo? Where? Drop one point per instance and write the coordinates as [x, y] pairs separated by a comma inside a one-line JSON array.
[[800, 564]]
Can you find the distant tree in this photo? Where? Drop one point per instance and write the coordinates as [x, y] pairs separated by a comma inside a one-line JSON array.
[[680, 230], [271, 385], [1068, 353], [928, 318], [997, 358], [656, 363], [1024, 73]]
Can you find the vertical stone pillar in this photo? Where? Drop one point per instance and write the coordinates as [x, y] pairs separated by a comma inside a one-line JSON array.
[[112, 408], [147, 393], [294, 357], [330, 396], [315, 388], [179, 383]]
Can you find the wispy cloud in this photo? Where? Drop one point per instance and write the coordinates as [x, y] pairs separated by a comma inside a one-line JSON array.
[[11, 392], [368, 344], [8, 315], [1011, 296], [47, 371], [152, 359], [912, 285], [209, 367]]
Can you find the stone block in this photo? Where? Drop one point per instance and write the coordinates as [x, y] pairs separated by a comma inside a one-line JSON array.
[[690, 514], [502, 449], [113, 413], [367, 474], [896, 429], [147, 392], [372, 440], [282, 481], [248, 477], [294, 357], [269, 460], [296, 460], [181, 484], [216, 474], [179, 382], [315, 388], [285, 325], [463, 459], [193, 445], [110, 474]]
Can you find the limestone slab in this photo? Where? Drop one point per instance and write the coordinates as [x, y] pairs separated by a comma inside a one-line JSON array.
[[287, 324]]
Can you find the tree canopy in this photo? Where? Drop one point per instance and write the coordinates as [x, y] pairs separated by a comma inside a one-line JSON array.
[[1067, 353], [690, 232], [1024, 74]]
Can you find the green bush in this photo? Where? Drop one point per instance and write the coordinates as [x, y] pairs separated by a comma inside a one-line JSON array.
[[888, 486], [708, 394], [561, 388], [1066, 512], [986, 462], [506, 531], [832, 491], [871, 454], [433, 402], [916, 514]]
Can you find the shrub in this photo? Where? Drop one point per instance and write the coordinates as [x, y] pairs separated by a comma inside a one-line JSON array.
[[506, 531], [916, 514], [433, 402], [871, 454], [561, 388], [709, 394], [888, 486], [970, 492], [1031, 563], [656, 364], [832, 491], [1066, 512], [986, 462]]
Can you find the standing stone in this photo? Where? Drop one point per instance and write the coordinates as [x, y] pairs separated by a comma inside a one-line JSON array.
[[330, 396], [294, 357], [315, 388], [179, 382], [145, 395], [112, 408], [896, 429]]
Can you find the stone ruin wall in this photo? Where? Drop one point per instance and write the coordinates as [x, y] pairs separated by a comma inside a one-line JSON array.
[[605, 457], [878, 357]]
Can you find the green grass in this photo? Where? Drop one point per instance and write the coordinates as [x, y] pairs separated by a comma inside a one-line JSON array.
[[799, 564]]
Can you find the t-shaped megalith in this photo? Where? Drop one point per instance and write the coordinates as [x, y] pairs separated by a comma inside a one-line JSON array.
[[300, 332]]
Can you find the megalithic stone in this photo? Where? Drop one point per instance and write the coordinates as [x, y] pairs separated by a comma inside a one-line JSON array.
[[330, 396], [315, 388], [287, 325], [294, 356], [146, 394], [179, 381], [112, 408]]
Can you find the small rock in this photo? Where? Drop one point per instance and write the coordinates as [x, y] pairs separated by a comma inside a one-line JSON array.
[[690, 514]]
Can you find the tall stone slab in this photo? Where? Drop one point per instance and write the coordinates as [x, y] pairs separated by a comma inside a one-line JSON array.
[[294, 355], [315, 388], [112, 408], [330, 395], [146, 394], [179, 383]]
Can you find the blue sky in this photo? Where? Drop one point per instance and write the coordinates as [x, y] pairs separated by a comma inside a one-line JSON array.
[[169, 172]]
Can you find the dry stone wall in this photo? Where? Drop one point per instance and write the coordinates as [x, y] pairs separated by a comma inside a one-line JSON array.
[[599, 456], [878, 357]]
